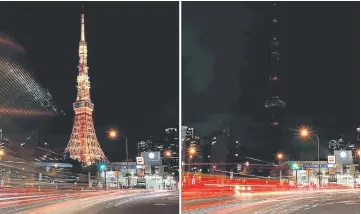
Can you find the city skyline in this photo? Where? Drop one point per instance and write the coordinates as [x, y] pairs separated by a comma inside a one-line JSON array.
[[125, 76], [226, 71]]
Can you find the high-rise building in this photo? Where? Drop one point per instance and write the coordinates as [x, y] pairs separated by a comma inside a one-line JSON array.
[[274, 104], [188, 139], [219, 151], [190, 133], [83, 144], [171, 150], [144, 146], [183, 140], [149, 145], [183, 133], [171, 139]]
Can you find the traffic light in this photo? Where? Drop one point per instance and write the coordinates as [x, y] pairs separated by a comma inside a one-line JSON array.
[[102, 167], [295, 166]]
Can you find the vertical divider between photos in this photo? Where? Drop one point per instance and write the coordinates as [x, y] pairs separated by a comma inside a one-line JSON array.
[[180, 108]]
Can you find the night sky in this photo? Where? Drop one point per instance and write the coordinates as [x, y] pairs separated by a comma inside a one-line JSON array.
[[225, 70], [132, 58]]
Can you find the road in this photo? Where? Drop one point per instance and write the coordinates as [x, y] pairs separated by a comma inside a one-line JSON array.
[[142, 201], [149, 204], [311, 202], [341, 202]]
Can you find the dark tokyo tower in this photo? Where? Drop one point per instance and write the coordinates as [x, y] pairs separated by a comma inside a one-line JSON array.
[[274, 104]]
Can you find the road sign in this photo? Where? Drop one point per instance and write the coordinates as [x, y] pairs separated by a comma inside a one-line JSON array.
[[331, 159], [308, 166], [140, 160]]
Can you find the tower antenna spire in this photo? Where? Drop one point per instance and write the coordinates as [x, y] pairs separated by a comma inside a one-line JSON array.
[[82, 31]]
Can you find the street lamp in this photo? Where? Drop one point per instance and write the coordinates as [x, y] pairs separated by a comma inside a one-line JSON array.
[[113, 134], [168, 155], [307, 133], [280, 157], [2, 153], [192, 152]]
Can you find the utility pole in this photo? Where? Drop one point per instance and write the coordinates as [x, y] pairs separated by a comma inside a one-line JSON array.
[[126, 150]]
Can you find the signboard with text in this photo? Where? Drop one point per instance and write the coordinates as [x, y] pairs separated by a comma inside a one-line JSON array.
[[325, 165], [140, 160], [331, 159], [114, 166], [343, 157], [152, 158]]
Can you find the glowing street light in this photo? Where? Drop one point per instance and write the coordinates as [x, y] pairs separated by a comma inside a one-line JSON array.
[[192, 152], [112, 134], [280, 156], [168, 153], [304, 132], [2, 153]]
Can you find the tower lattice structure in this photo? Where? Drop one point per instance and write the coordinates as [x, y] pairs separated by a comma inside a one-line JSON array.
[[274, 103], [83, 144]]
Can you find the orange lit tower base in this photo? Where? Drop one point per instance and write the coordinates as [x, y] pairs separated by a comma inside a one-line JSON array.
[[83, 144]]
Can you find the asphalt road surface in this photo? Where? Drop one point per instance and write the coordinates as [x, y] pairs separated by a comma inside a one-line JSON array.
[[151, 204], [336, 202], [100, 202], [302, 202]]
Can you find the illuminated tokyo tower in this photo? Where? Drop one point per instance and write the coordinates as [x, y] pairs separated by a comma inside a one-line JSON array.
[[83, 144], [274, 104]]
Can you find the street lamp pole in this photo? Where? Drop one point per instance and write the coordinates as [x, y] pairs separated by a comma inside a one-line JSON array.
[[105, 178], [189, 163], [318, 158], [126, 155], [280, 157], [279, 163], [306, 132], [113, 135]]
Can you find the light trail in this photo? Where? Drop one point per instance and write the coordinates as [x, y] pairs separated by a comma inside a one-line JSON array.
[[242, 201]]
